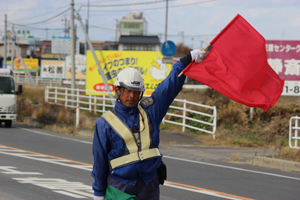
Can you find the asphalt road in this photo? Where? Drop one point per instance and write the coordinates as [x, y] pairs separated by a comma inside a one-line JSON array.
[[39, 164]]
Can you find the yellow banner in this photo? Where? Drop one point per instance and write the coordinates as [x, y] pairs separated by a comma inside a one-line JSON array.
[[31, 64], [148, 63]]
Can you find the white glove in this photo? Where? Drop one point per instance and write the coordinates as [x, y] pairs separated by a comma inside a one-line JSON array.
[[98, 198], [198, 55]]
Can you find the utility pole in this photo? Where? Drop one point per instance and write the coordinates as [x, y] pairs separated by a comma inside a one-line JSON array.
[[87, 25], [65, 26], [86, 44], [182, 34], [5, 41], [12, 50], [68, 28], [73, 39], [166, 23]]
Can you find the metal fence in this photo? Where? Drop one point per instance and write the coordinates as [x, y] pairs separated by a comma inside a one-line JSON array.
[[183, 113], [24, 79], [293, 132]]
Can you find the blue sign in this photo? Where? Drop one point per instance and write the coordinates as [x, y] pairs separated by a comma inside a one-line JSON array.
[[168, 48]]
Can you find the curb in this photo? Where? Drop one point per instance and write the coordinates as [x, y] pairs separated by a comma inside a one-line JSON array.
[[274, 163], [84, 132]]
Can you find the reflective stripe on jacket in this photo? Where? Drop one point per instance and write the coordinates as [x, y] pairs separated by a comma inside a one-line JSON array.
[[135, 153]]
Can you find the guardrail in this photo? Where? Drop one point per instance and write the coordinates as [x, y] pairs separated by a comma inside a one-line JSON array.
[[184, 113], [293, 132], [21, 78]]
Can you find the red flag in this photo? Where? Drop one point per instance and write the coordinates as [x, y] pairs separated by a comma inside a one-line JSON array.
[[237, 67]]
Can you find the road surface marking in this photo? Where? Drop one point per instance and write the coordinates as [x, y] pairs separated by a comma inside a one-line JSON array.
[[44, 158], [11, 170], [85, 166], [234, 168], [204, 191], [186, 160], [72, 189]]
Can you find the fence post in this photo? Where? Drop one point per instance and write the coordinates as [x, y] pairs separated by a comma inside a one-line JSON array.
[[77, 115], [251, 113], [25, 78], [55, 95], [103, 103], [90, 101], [296, 132], [184, 114], [77, 97], [290, 132], [66, 97], [77, 109], [95, 104], [215, 122], [46, 94]]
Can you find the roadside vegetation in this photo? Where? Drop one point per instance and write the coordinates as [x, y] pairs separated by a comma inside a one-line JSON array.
[[268, 130]]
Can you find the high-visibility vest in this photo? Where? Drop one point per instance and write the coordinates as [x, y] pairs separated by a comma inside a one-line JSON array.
[[135, 154]]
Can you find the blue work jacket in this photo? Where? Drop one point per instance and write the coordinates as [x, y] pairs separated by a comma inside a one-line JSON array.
[[108, 145]]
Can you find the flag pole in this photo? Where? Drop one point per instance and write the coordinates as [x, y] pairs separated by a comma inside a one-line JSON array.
[[204, 49]]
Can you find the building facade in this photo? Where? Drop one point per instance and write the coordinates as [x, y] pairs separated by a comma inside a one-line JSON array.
[[132, 24]]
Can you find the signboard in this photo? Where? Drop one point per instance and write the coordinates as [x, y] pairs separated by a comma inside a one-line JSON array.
[[80, 67], [168, 48], [52, 69], [8, 64], [62, 45], [32, 64], [148, 63], [23, 32], [30, 39], [284, 58]]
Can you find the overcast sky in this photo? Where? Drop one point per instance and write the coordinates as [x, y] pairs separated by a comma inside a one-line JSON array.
[[189, 21]]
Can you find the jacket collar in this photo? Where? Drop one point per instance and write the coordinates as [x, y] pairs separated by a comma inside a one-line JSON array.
[[123, 109]]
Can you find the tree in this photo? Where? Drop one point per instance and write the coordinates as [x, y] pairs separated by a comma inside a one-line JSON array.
[[181, 50]]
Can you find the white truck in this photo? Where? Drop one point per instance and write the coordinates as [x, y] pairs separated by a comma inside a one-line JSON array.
[[8, 97]]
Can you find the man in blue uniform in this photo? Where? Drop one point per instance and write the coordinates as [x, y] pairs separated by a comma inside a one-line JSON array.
[[127, 161]]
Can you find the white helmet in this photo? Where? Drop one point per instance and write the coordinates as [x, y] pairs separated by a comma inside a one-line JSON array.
[[130, 79]]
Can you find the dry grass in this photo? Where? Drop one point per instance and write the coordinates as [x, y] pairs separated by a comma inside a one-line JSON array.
[[235, 157], [288, 153]]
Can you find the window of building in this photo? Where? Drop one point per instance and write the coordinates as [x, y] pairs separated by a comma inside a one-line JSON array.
[[139, 47], [48, 50]]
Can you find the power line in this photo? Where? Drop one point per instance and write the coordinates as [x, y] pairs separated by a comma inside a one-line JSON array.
[[31, 8], [45, 19], [35, 28], [103, 28], [175, 6], [128, 4], [41, 14], [121, 5]]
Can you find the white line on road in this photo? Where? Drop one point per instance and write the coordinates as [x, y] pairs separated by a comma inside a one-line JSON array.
[[233, 168], [201, 191], [41, 133], [181, 159]]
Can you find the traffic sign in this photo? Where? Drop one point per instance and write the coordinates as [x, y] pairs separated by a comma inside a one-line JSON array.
[[168, 48], [62, 45]]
